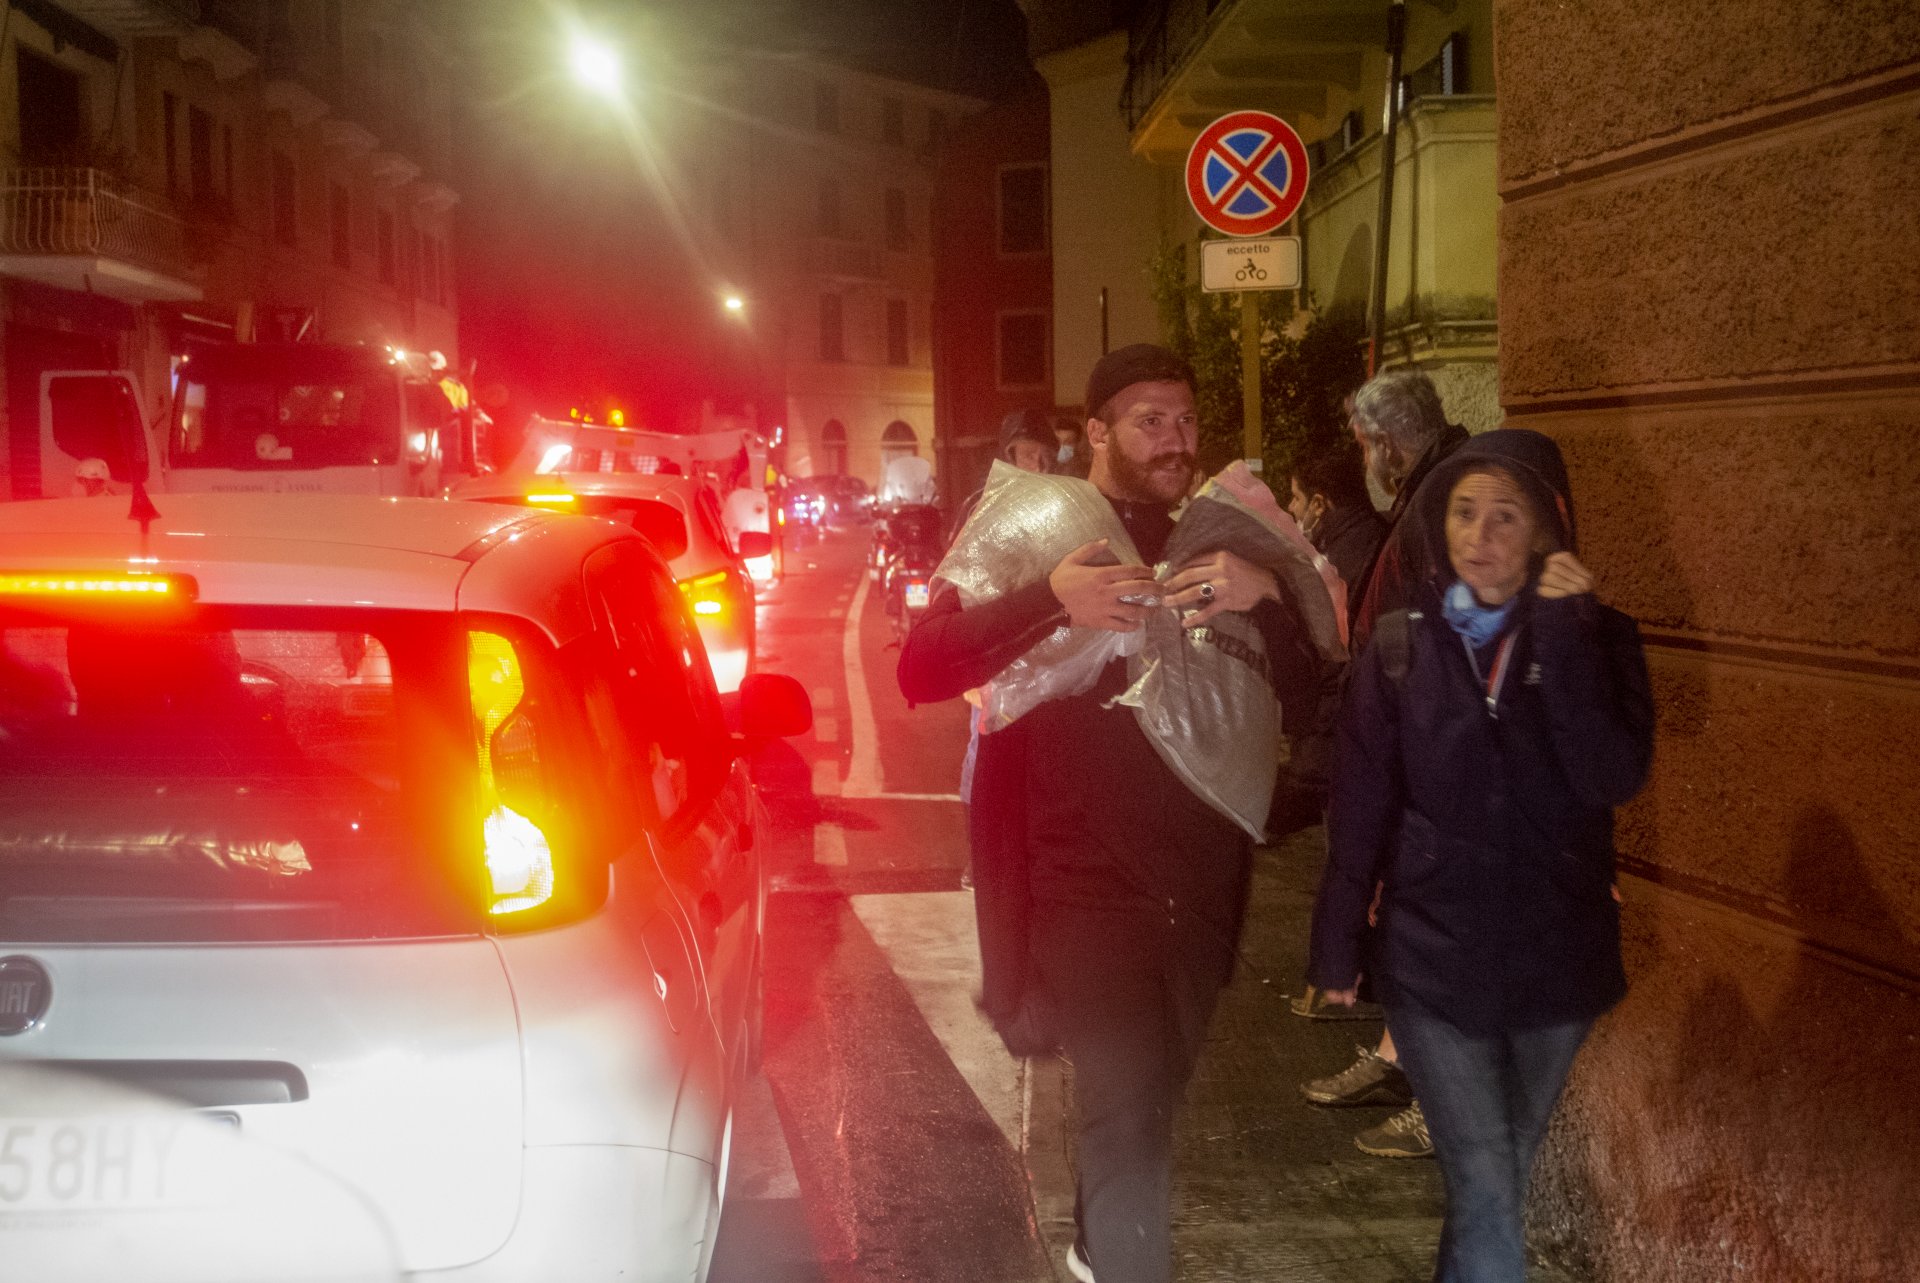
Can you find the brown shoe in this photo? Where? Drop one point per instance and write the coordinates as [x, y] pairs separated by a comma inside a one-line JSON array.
[[1369, 1080], [1402, 1136]]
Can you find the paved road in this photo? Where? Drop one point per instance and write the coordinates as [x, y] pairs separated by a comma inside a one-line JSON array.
[[885, 1141]]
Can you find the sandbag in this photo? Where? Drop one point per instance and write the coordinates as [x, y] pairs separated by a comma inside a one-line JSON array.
[[1024, 524], [1203, 697]]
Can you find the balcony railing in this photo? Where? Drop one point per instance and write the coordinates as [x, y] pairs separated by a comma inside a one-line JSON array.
[[86, 213], [1162, 35]]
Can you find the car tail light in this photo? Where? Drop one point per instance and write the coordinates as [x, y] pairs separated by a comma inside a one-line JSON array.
[[551, 499], [707, 594], [518, 854], [112, 584]]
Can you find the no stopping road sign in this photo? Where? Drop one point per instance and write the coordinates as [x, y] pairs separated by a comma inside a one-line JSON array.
[[1247, 173]]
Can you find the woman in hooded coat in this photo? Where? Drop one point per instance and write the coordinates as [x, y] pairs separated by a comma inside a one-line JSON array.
[[1487, 735]]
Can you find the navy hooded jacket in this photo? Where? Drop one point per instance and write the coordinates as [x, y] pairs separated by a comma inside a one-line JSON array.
[[1486, 823]]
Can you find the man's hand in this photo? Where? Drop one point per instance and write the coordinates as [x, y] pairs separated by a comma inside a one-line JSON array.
[[1564, 576], [1092, 594], [1238, 584], [1341, 997]]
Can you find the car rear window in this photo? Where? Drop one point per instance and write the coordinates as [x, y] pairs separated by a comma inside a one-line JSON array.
[[230, 778]]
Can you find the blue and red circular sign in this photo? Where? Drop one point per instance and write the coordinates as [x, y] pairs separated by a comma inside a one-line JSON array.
[[1247, 173]]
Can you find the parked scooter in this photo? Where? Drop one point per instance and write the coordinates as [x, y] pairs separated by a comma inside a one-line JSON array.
[[908, 552]]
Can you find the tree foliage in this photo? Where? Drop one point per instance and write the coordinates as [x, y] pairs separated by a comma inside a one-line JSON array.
[[1308, 366]]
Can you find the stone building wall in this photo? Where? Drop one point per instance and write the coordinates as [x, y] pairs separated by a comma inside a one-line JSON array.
[[1710, 295]]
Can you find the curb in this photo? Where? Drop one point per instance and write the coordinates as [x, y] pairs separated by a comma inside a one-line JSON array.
[[1047, 1151]]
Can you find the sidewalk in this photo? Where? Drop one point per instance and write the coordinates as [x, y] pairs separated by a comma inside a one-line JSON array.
[[1267, 1187]]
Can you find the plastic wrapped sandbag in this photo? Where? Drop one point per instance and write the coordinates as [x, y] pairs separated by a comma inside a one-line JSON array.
[[1024, 524], [1204, 696], [1237, 480]]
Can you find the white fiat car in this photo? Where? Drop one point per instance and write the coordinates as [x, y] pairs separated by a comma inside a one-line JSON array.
[[406, 837]]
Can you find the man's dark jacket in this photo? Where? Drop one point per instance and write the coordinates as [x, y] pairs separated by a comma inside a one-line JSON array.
[[1074, 817], [1406, 556], [1490, 824], [1350, 538]]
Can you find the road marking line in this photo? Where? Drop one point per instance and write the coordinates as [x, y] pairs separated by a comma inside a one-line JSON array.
[[826, 778], [829, 845], [933, 946], [910, 797], [823, 698], [863, 772], [826, 729]]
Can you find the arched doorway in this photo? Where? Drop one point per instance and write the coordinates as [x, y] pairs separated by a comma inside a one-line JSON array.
[[833, 447], [899, 441]]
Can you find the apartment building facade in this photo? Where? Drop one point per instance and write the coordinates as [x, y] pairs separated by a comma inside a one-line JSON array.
[[181, 172], [814, 200], [993, 284]]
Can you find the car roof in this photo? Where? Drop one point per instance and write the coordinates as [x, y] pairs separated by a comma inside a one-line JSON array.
[[341, 551], [704, 552], [671, 488]]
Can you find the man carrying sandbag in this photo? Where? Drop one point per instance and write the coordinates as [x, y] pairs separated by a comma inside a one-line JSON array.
[[1110, 892]]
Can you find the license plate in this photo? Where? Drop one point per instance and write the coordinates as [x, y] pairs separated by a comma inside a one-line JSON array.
[[917, 596], [97, 1164]]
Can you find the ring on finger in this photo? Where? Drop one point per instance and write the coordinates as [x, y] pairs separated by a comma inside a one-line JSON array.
[[1206, 592]]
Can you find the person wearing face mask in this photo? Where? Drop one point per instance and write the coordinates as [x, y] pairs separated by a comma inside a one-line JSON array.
[[1487, 734], [1027, 442], [1070, 457], [1327, 495], [1109, 894]]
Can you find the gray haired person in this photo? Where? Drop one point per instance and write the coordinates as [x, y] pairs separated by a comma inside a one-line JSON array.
[[1397, 418], [1399, 422]]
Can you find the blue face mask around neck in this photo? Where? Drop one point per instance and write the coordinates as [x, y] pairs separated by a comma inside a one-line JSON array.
[[1476, 623], [1064, 454]]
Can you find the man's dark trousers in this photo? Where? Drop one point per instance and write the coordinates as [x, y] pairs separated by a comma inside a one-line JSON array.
[[1132, 1022]]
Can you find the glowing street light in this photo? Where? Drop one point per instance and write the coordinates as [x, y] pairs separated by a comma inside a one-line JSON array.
[[734, 304], [597, 66]]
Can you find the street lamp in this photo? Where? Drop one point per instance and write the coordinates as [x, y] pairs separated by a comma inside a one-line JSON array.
[[734, 304], [597, 66]]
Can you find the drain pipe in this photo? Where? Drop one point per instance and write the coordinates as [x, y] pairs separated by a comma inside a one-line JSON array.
[[1389, 144]]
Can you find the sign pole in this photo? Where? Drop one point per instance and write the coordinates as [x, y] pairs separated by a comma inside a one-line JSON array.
[[1251, 444], [1246, 174]]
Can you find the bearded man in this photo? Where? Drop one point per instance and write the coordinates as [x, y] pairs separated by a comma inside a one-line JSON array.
[[1110, 896]]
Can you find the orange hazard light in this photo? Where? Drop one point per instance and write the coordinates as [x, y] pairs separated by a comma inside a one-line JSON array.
[[99, 585], [518, 855]]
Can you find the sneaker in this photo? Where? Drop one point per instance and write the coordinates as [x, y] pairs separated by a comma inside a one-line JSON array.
[[1077, 1263], [1314, 1006], [1402, 1136], [1369, 1080]]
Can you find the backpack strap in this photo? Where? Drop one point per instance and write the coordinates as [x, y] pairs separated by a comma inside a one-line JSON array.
[[1393, 634]]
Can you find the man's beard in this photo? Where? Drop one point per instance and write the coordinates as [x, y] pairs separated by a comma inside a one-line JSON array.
[[1382, 485], [1145, 482]]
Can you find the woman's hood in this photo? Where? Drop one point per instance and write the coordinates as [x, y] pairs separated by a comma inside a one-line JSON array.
[[1533, 460]]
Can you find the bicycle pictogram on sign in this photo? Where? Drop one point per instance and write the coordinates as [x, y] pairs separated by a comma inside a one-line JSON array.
[[1247, 173]]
